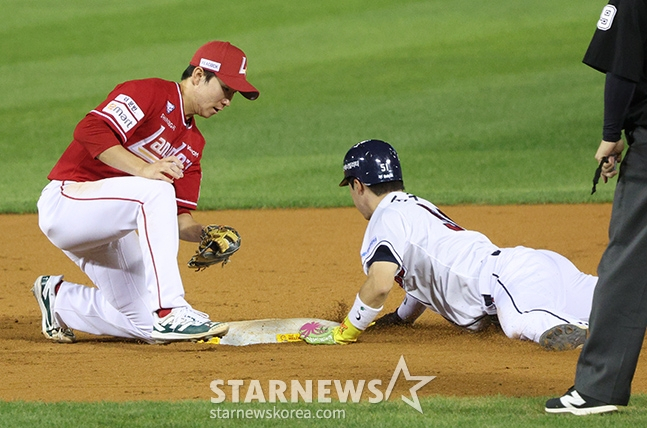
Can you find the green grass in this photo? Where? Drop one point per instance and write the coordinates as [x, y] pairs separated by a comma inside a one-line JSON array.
[[486, 102], [437, 412]]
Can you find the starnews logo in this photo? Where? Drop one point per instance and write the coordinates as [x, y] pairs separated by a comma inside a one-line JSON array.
[[321, 391]]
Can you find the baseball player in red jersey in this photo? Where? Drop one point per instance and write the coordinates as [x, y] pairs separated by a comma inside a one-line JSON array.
[[537, 295], [120, 198]]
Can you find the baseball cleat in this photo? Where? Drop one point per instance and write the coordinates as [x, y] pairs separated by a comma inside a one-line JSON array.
[[186, 323], [563, 337], [577, 404], [44, 291]]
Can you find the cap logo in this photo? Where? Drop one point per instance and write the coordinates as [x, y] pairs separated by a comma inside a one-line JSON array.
[[243, 66], [210, 65], [351, 165]]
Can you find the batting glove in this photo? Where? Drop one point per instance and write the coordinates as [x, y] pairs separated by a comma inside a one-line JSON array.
[[343, 334]]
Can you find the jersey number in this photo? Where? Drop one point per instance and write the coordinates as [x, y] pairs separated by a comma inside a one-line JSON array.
[[447, 222]]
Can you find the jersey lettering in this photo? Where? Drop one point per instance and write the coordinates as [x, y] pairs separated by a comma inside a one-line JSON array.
[[168, 121], [409, 197], [606, 18], [132, 106], [156, 147], [447, 222], [122, 116], [160, 146]]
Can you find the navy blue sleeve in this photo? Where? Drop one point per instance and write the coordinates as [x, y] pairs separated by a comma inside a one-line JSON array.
[[382, 254], [618, 93]]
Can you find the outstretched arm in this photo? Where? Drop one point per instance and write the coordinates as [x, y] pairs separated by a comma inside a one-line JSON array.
[[367, 306], [409, 311]]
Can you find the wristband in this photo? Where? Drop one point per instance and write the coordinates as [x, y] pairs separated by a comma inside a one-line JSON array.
[[361, 315]]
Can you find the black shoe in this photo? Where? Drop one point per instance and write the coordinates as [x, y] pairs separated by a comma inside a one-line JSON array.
[[577, 404]]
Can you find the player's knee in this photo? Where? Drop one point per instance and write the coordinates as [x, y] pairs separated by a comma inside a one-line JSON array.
[[529, 326], [161, 191], [161, 187]]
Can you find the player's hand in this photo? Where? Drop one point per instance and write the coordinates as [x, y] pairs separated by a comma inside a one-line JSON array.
[[390, 320], [318, 334], [118, 157], [613, 152], [167, 169]]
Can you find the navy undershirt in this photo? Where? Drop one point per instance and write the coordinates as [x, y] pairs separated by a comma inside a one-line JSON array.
[[382, 254]]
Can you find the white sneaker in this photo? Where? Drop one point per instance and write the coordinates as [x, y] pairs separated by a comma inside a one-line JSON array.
[[185, 323], [44, 291]]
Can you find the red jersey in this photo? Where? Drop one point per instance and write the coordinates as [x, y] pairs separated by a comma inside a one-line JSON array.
[[147, 118]]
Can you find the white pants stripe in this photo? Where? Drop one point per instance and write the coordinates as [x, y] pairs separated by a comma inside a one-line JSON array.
[[536, 290], [123, 233]]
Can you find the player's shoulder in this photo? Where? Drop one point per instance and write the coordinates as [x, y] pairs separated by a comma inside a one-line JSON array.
[[152, 84], [408, 206], [402, 200], [148, 94], [397, 205], [623, 8]]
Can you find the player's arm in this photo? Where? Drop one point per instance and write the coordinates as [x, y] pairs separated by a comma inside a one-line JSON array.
[[167, 169], [96, 136], [190, 230], [618, 93], [407, 313], [378, 284], [368, 304]]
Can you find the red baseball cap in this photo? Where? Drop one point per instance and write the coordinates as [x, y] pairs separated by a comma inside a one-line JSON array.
[[228, 63]]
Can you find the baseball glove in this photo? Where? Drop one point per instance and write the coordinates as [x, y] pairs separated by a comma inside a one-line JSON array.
[[217, 244]]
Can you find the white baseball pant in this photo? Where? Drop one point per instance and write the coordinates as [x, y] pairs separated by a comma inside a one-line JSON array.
[[123, 233]]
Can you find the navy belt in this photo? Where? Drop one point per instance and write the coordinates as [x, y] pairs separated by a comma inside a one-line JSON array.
[[488, 300]]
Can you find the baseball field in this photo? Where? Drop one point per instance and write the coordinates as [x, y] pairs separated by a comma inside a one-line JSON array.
[[495, 119]]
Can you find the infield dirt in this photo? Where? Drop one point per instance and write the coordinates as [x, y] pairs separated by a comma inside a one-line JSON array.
[[292, 263]]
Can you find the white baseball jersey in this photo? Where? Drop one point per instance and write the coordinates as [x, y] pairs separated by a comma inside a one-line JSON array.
[[461, 275], [440, 261]]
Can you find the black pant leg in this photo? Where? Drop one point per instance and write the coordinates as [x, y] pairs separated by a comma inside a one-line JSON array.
[[619, 313]]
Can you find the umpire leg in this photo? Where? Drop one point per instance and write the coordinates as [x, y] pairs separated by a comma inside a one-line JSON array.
[[607, 363]]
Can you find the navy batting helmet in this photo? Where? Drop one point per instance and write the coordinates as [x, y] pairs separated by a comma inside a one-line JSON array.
[[372, 162]]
